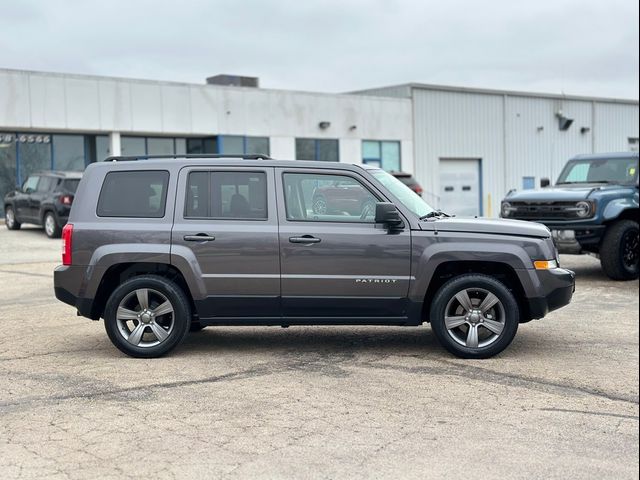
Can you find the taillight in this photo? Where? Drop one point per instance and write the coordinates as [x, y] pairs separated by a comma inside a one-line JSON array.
[[67, 234], [418, 189], [66, 199]]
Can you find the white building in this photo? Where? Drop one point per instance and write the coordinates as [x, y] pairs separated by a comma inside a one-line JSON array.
[[466, 147]]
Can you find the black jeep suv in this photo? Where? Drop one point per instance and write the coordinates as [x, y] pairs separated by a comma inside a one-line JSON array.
[[45, 199]]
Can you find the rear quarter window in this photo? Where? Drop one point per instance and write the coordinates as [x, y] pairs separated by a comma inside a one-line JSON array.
[[71, 185], [136, 194]]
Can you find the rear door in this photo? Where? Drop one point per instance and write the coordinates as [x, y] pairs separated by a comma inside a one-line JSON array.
[[336, 263], [226, 216]]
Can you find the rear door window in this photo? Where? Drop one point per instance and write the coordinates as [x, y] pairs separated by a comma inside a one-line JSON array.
[[227, 195], [46, 183], [137, 194]]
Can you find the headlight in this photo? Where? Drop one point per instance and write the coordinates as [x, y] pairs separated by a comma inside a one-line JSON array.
[[506, 209], [583, 209]]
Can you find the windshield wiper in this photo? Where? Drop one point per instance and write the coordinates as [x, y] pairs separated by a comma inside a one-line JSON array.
[[433, 214]]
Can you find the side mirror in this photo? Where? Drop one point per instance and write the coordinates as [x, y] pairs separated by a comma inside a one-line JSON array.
[[544, 182], [388, 214]]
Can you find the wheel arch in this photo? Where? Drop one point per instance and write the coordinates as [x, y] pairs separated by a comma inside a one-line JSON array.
[[120, 272], [502, 272], [626, 214]]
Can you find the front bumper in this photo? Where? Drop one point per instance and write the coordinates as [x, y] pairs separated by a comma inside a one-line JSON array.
[[573, 237], [557, 287]]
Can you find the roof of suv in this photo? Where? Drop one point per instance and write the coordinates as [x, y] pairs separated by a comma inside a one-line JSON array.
[[233, 160], [59, 174], [608, 156]]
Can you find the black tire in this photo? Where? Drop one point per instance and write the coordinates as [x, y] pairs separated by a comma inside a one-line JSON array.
[[506, 311], [181, 315], [196, 327], [53, 229], [10, 219], [619, 251]]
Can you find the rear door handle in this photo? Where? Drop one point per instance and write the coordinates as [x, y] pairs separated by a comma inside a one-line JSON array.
[[306, 239], [200, 237]]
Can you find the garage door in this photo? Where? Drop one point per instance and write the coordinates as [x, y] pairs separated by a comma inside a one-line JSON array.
[[460, 187]]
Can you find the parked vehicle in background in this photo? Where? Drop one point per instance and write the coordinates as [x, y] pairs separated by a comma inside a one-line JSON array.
[[44, 199], [593, 208], [341, 196], [409, 181], [159, 246]]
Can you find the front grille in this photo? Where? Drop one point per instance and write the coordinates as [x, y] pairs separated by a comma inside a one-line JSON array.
[[539, 210]]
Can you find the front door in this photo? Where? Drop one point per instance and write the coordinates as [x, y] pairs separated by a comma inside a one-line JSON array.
[[336, 263], [23, 199], [227, 218]]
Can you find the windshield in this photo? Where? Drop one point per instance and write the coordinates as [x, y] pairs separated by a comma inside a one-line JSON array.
[[601, 170], [408, 197]]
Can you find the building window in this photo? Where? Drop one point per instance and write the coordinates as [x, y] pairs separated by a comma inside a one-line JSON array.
[[241, 145], [197, 146], [320, 149], [34, 152], [103, 148], [528, 183], [383, 154], [160, 146], [69, 152], [634, 143], [132, 146]]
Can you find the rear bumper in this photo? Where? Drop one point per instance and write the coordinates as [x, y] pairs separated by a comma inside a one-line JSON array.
[[65, 286], [557, 288]]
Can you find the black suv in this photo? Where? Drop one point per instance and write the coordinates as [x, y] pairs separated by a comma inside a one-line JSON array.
[[45, 199]]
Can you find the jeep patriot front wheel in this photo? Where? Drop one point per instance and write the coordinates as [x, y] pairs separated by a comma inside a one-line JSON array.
[[147, 316], [474, 316]]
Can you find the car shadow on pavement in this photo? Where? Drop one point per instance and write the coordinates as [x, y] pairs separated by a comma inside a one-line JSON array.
[[310, 340]]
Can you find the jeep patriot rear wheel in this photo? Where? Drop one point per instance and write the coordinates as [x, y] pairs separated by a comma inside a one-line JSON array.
[[147, 316], [474, 316]]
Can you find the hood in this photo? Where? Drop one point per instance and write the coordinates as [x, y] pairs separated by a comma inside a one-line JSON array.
[[560, 193], [491, 226]]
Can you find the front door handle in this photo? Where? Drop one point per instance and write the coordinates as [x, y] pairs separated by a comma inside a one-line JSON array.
[[200, 237], [306, 239]]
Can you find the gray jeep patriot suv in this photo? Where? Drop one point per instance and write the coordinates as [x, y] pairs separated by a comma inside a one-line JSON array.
[[159, 246]]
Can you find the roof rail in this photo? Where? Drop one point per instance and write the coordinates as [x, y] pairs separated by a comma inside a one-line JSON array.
[[120, 158]]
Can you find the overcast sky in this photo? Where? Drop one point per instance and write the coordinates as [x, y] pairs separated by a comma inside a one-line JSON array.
[[572, 46]]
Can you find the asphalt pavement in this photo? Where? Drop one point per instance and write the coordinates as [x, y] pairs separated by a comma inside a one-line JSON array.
[[314, 402]]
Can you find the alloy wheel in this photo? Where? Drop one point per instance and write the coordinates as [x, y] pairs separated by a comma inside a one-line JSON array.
[[145, 318], [320, 206], [475, 318], [10, 218], [49, 225]]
